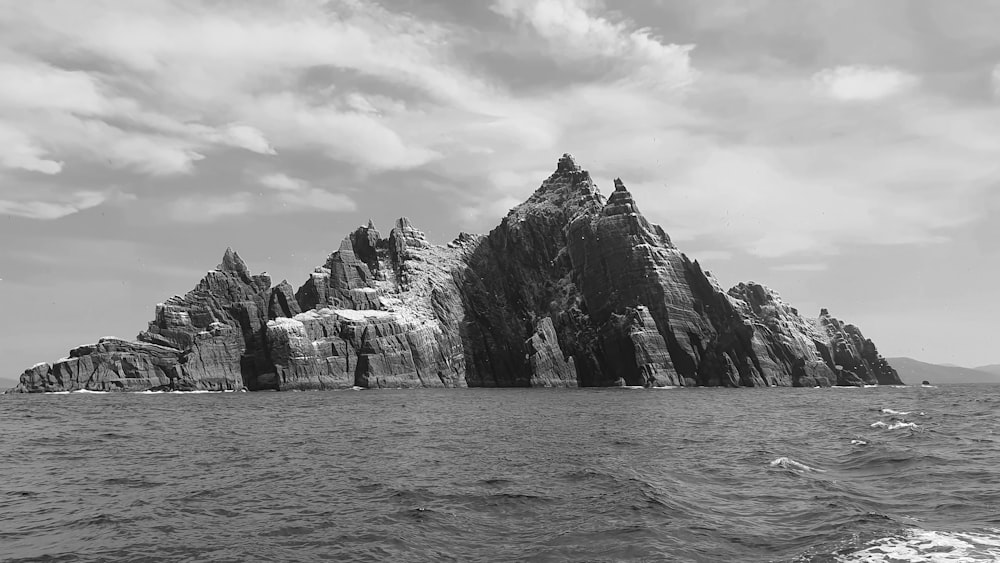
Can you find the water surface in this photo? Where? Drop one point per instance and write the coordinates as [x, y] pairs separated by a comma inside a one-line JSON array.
[[503, 475]]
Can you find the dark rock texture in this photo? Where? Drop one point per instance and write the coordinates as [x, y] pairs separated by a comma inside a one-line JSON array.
[[569, 290]]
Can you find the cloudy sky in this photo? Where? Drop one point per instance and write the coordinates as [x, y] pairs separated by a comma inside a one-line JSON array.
[[845, 153]]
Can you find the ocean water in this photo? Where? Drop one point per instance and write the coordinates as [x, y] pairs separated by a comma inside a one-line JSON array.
[[873, 474]]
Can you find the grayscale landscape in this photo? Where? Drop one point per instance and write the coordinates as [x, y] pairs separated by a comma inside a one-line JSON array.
[[498, 281]]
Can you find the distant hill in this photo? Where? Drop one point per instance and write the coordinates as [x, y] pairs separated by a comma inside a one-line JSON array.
[[992, 368], [912, 372], [6, 384]]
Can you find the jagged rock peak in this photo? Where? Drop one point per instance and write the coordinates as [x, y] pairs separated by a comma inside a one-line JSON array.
[[620, 201], [567, 164], [231, 262], [568, 192], [409, 236], [371, 225]]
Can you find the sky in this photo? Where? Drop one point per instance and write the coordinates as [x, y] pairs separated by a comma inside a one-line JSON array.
[[846, 154]]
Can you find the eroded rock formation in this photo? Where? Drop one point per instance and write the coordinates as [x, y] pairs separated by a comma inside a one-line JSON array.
[[571, 289]]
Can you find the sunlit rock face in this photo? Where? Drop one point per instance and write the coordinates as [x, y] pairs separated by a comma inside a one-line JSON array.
[[570, 289]]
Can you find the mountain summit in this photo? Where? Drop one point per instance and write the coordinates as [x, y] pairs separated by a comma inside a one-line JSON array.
[[570, 289]]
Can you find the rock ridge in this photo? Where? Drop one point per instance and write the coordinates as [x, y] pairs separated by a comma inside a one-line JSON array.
[[570, 289]]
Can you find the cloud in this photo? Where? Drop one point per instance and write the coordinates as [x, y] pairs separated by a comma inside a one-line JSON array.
[[804, 267], [56, 207], [36, 85], [752, 155], [863, 83], [282, 194], [862, 187], [206, 208], [295, 194], [282, 182], [368, 141], [80, 115], [17, 150], [712, 255], [575, 34]]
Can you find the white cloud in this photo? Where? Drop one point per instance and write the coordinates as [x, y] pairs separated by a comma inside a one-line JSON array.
[[284, 194], [282, 182], [752, 160], [58, 206], [294, 194], [77, 114], [803, 267], [213, 88], [368, 141], [911, 176], [246, 137], [206, 208], [863, 83], [36, 85], [575, 34], [17, 150]]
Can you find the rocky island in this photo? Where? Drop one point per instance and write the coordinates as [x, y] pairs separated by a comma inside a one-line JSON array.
[[571, 289]]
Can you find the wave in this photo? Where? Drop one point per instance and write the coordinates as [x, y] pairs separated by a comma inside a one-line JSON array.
[[895, 425], [929, 545], [891, 411], [791, 464], [859, 442]]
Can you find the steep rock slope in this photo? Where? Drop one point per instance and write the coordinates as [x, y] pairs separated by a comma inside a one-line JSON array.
[[570, 289], [204, 340]]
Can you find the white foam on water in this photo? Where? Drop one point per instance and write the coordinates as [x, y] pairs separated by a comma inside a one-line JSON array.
[[195, 392], [890, 411], [89, 392], [929, 386], [858, 442], [665, 387], [895, 425], [871, 386], [928, 545], [357, 388], [789, 463]]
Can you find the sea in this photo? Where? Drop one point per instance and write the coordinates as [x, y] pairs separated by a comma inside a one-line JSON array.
[[874, 474]]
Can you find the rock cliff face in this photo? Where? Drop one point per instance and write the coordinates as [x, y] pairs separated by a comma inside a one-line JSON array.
[[571, 289]]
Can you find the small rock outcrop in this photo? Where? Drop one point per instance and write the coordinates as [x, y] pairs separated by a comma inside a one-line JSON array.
[[570, 289]]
